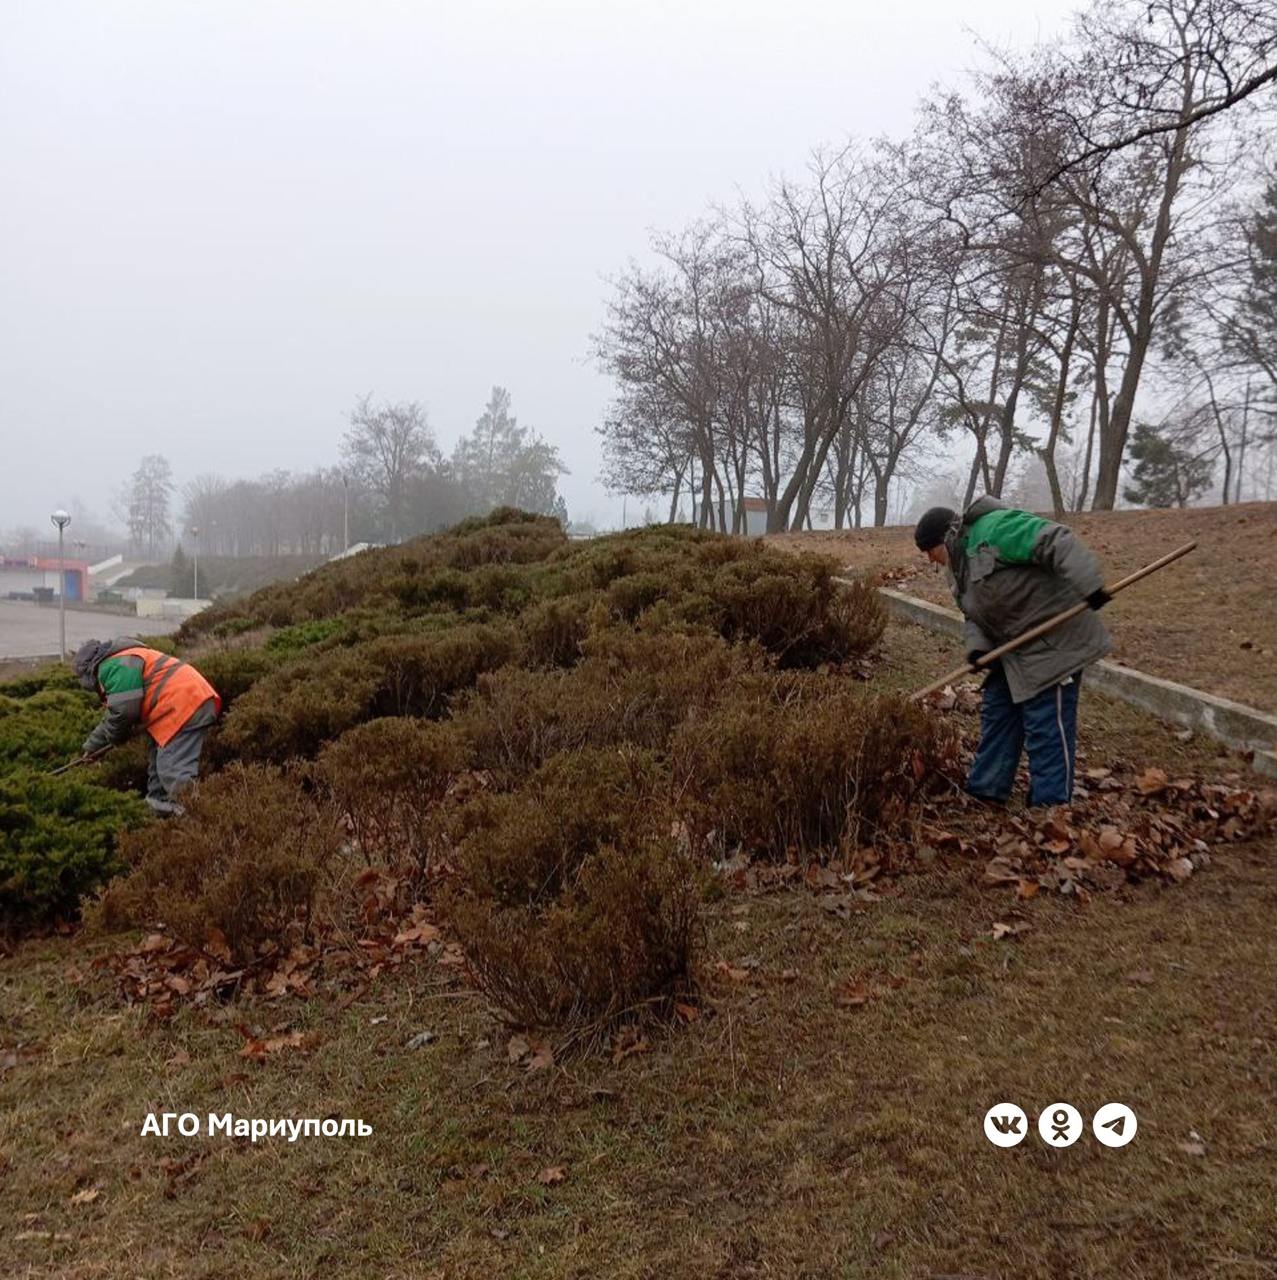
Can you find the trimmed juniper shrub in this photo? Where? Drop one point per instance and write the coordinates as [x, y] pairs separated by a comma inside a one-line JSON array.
[[53, 676], [123, 768], [45, 729], [247, 860], [58, 842], [292, 640], [388, 778]]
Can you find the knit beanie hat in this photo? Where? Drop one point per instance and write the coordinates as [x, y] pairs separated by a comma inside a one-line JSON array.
[[933, 527]]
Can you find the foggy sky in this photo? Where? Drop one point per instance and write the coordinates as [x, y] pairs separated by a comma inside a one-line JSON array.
[[222, 221]]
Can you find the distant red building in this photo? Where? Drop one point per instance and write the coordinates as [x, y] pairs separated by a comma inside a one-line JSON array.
[[38, 576]]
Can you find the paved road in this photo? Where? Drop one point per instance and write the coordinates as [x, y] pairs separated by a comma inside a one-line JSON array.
[[29, 630]]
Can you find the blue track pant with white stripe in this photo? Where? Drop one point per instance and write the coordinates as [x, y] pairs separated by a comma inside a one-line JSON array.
[[1045, 725]]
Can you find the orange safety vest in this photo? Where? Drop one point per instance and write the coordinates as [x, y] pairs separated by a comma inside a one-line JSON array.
[[172, 691]]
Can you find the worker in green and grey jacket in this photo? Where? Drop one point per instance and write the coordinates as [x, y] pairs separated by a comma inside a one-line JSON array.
[[1010, 570]]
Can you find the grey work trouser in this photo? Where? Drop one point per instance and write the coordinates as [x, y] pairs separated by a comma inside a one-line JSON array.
[[177, 764]]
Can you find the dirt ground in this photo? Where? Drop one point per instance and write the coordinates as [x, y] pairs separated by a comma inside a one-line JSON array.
[[790, 1129], [1209, 620]]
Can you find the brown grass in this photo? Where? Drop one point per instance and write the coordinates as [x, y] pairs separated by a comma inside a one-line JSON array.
[[1207, 621]]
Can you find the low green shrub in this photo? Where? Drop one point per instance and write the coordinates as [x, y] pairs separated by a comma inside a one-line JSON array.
[[292, 640], [54, 676], [123, 768], [45, 729], [246, 861], [58, 842]]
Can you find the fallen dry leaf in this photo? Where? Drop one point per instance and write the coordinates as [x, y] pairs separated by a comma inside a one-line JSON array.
[[628, 1042], [416, 935], [1000, 871], [552, 1176], [541, 1057], [87, 1196], [1001, 929], [853, 994], [259, 1049], [1141, 978], [1151, 781]]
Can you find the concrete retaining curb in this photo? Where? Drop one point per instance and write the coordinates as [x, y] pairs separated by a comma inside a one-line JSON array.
[[1240, 727]]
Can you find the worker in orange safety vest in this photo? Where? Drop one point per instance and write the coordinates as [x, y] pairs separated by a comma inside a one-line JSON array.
[[166, 697]]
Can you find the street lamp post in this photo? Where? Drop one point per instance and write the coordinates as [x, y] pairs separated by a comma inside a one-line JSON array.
[[195, 533], [61, 519]]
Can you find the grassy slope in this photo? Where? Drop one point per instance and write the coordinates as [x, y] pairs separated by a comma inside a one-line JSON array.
[[781, 1134], [1187, 623]]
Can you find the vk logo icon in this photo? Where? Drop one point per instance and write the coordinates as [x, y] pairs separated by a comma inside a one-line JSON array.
[[1005, 1124]]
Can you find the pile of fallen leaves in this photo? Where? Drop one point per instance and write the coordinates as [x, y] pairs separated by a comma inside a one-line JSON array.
[[161, 971], [1119, 829]]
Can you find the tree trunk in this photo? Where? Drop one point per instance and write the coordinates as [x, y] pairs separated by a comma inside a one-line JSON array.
[[1057, 411], [1113, 440]]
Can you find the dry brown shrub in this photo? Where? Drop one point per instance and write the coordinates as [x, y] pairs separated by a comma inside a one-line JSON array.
[[388, 778], [572, 899], [520, 847], [551, 632], [417, 674], [246, 859], [298, 708], [631, 687], [315, 698], [795, 610], [621, 940], [519, 541], [806, 769]]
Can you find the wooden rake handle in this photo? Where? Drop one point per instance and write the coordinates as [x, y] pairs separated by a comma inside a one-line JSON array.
[[1050, 624]]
